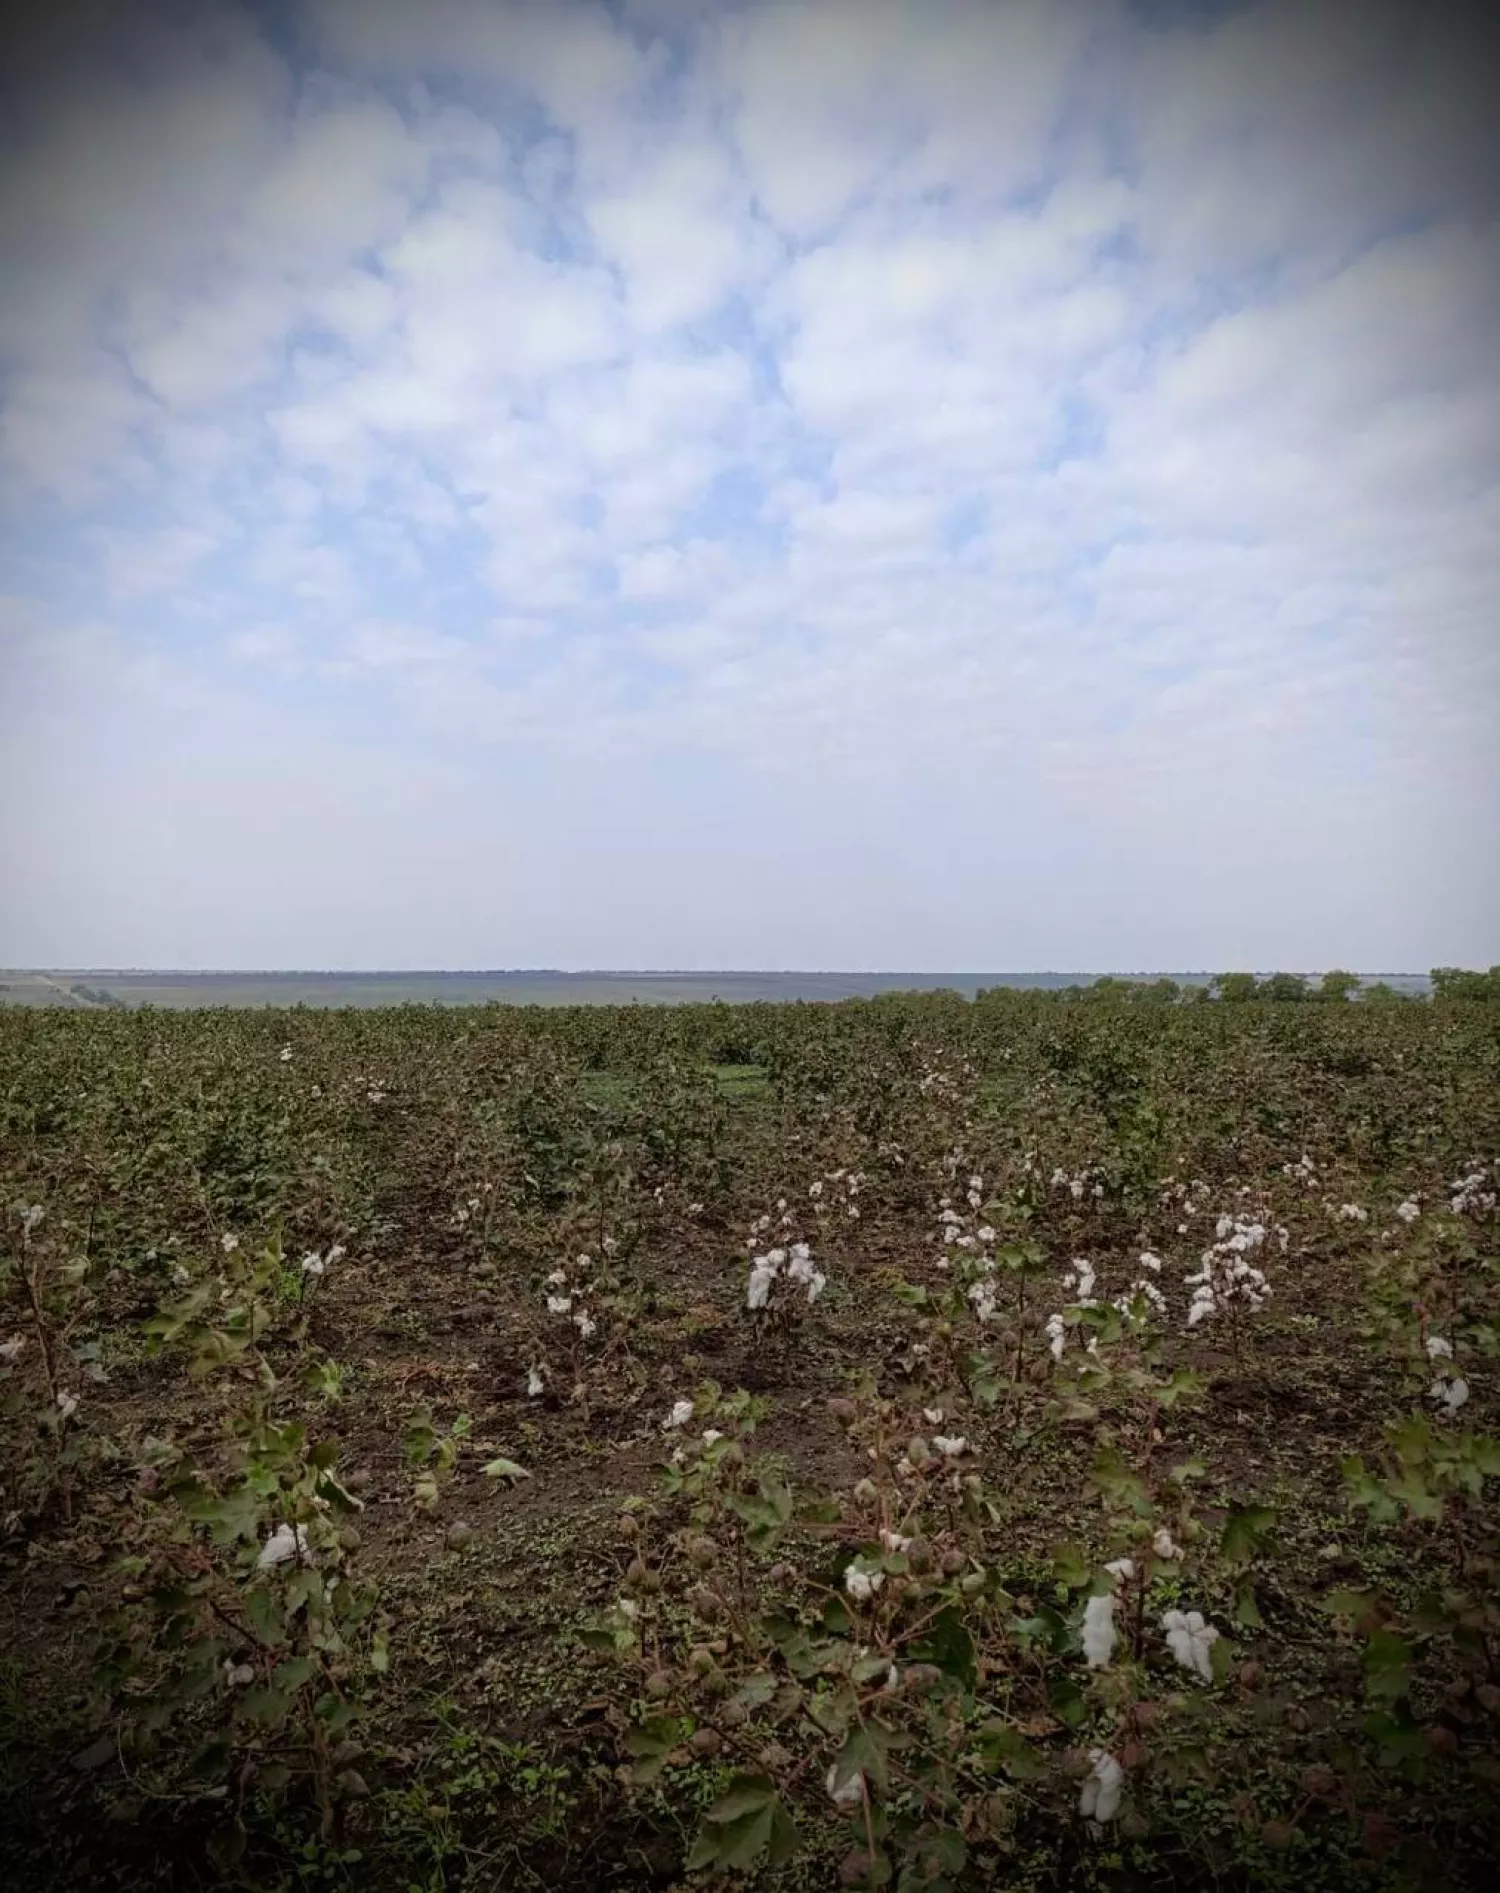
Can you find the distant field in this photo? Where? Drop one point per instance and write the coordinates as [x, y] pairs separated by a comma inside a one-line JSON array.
[[98, 990]]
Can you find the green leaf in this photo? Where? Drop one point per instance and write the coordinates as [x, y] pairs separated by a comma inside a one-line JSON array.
[[949, 1646], [1387, 1666], [1246, 1612], [746, 1794], [1245, 1532]]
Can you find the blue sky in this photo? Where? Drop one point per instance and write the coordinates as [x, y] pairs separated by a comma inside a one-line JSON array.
[[873, 485]]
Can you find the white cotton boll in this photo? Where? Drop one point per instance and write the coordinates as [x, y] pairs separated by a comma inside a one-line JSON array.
[[712, 1436], [1076, 1187], [1439, 1348], [559, 1304], [985, 1233], [12, 1350], [816, 1283], [893, 1541], [283, 1547], [950, 1448], [862, 1583], [976, 1185], [1191, 1641], [585, 1324], [1099, 1797], [229, 1242], [933, 1415], [681, 1413], [1150, 1261], [846, 1791], [800, 1253], [1057, 1336], [1164, 1544], [558, 1279], [1122, 1569], [1410, 1210], [1450, 1393], [67, 1405], [313, 1265], [1099, 1630], [238, 1675], [535, 1385]]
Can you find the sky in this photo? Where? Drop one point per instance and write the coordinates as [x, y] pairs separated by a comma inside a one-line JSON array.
[[869, 485]]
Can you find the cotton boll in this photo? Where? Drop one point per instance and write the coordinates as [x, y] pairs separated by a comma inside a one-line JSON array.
[[1191, 1641], [1099, 1797], [1099, 1630]]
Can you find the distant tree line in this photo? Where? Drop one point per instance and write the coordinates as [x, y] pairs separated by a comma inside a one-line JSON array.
[[97, 996], [1337, 987]]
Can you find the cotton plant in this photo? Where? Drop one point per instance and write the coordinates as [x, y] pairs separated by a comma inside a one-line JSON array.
[[1185, 1199], [1083, 1184], [587, 1313], [1227, 1284], [1476, 1192], [784, 1279]]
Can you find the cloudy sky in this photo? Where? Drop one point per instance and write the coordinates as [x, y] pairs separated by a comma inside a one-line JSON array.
[[940, 485]]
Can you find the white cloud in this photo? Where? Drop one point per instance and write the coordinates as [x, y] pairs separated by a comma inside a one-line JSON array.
[[1019, 450]]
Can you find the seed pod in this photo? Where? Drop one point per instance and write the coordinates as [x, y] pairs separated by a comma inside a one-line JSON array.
[[953, 1562], [701, 1553], [919, 1555], [705, 1742], [1134, 1825], [636, 1573], [866, 1492], [659, 1684], [701, 1661], [1252, 1675], [1320, 1781], [1278, 1834], [774, 1757], [1489, 1696], [1441, 1739], [1297, 1718], [734, 1715], [844, 1411], [627, 1525], [704, 1603], [780, 1572]]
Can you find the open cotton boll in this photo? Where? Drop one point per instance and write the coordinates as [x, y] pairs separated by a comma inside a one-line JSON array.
[[1439, 1348], [283, 1546], [1099, 1797], [862, 1582], [1450, 1392], [845, 1791], [1099, 1630], [681, 1413], [1164, 1544], [1191, 1641]]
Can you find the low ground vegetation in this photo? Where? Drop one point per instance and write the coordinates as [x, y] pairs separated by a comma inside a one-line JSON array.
[[1048, 1441]]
